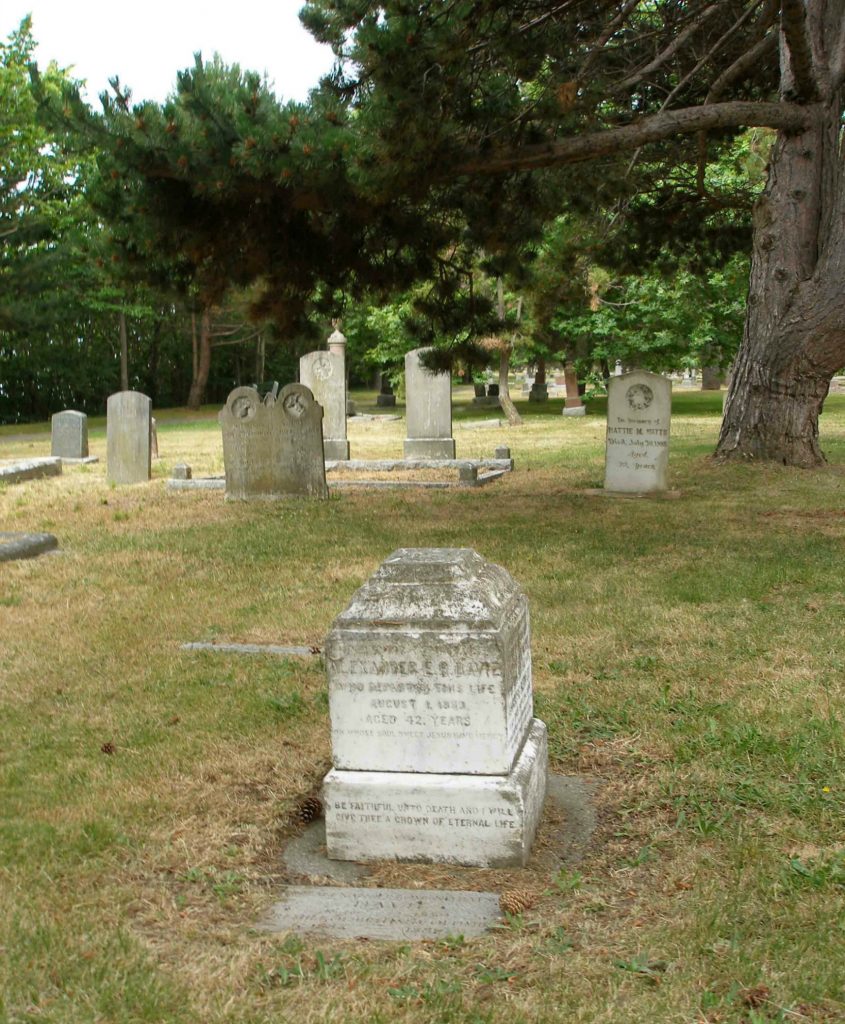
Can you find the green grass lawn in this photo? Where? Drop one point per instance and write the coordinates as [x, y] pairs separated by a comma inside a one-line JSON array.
[[689, 654]]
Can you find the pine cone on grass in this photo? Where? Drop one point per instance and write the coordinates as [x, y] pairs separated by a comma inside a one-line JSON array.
[[307, 810], [514, 901]]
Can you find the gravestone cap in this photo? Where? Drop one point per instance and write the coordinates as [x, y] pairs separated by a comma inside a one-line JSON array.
[[427, 587]]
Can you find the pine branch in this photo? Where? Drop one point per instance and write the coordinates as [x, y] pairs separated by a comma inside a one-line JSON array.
[[784, 116], [668, 52], [605, 37], [741, 66], [720, 42]]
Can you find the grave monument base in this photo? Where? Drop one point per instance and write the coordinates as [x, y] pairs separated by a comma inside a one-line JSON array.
[[476, 820], [335, 448], [429, 448]]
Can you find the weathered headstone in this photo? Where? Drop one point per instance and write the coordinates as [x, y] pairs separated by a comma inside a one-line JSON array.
[[711, 378], [153, 438], [539, 388], [273, 449], [638, 414], [428, 411], [182, 471], [572, 406], [324, 373], [69, 435], [385, 397], [128, 431], [436, 754]]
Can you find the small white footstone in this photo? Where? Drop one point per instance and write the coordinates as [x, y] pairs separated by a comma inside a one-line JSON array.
[[403, 914], [479, 820]]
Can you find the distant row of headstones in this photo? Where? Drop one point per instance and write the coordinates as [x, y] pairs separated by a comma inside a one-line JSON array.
[[277, 446], [131, 439]]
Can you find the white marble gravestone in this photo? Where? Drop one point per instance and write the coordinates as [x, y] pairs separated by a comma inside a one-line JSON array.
[[324, 373], [436, 754], [273, 449], [428, 411], [69, 435], [638, 414], [128, 416]]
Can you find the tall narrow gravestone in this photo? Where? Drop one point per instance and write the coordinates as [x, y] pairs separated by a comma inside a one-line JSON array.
[[69, 435], [638, 413], [436, 754], [128, 415], [273, 449], [428, 411], [324, 373]]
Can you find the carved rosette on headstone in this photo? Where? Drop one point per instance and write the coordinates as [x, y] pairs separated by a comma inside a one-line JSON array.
[[325, 374], [436, 754], [273, 449], [638, 413], [128, 415], [69, 435], [428, 411]]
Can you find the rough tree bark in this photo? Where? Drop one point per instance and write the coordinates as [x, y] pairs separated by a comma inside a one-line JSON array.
[[124, 352], [794, 336], [202, 364]]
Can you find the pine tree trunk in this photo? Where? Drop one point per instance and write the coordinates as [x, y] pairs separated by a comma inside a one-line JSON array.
[[124, 353], [203, 363], [794, 336], [505, 400]]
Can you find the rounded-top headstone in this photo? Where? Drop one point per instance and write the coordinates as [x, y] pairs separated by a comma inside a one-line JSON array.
[[430, 667], [69, 434], [639, 407]]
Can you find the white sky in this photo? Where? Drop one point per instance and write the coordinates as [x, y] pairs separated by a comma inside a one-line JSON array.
[[147, 43]]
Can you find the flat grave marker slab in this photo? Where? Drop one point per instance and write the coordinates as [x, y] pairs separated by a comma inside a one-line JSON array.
[[25, 545], [18, 470], [398, 914]]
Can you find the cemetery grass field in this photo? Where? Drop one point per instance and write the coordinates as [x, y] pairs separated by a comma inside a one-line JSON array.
[[689, 654]]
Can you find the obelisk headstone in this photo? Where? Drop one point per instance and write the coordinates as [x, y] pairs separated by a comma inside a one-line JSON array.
[[436, 754], [273, 449], [428, 411], [128, 415], [638, 414], [324, 373], [69, 434]]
